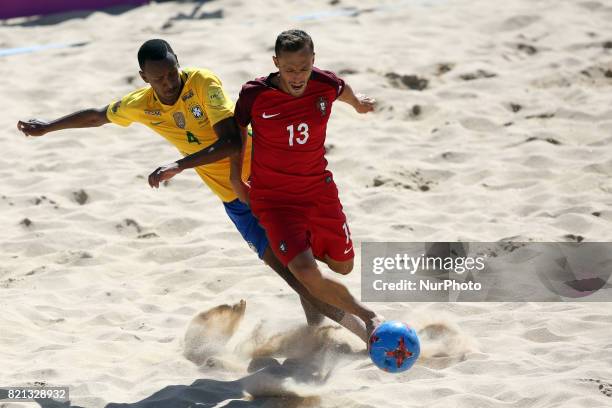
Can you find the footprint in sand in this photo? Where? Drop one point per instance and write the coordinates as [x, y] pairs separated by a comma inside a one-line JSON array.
[[478, 124], [597, 75], [72, 257], [26, 222], [80, 196], [518, 22], [209, 331], [591, 5], [42, 200], [479, 74], [604, 387], [407, 81], [423, 180], [443, 68], [527, 48], [128, 222]]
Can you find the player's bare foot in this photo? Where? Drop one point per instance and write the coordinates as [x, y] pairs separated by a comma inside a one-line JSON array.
[[372, 324]]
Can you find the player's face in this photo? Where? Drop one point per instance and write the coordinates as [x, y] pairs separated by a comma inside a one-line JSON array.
[[294, 70], [164, 77]]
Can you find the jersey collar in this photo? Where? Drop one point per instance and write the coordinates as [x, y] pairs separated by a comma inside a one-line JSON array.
[[268, 81]]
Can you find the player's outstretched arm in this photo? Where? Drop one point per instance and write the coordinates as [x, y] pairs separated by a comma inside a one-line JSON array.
[[228, 143], [361, 103], [81, 119]]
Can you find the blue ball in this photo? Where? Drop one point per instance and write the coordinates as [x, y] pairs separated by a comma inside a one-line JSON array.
[[394, 346]]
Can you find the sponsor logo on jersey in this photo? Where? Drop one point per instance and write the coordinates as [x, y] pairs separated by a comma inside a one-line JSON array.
[[191, 138], [283, 247], [263, 115], [215, 96], [196, 111], [179, 119], [322, 105], [152, 112], [187, 95]]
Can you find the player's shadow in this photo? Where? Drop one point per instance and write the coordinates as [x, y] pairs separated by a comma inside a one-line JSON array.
[[264, 385]]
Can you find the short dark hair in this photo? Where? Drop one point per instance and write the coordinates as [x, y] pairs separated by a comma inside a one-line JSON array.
[[292, 40], [153, 50]]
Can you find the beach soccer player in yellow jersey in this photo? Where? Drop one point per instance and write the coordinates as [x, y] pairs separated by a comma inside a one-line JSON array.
[[190, 109]]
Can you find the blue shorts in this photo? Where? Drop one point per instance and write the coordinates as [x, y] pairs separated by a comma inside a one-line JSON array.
[[247, 225]]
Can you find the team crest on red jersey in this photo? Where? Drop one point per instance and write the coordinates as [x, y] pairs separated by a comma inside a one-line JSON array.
[[322, 105]]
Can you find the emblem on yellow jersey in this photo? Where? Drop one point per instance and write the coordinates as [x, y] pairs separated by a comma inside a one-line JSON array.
[[215, 96], [196, 111], [187, 95], [179, 119], [115, 106]]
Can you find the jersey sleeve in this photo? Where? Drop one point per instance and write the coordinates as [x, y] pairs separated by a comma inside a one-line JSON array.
[[332, 79], [246, 99], [243, 109], [119, 112], [217, 104]]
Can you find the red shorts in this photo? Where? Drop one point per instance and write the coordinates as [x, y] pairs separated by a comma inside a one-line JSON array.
[[293, 225]]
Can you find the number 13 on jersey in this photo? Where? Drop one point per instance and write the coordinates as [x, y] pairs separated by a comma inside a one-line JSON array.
[[302, 129]]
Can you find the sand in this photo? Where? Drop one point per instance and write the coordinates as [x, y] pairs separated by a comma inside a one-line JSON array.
[[494, 122]]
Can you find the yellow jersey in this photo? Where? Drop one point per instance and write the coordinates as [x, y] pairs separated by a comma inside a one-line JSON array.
[[188, 124]]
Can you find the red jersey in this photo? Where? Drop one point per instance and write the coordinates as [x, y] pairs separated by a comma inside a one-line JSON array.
[[288, 134]]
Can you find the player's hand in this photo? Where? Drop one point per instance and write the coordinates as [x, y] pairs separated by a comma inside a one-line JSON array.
[[242, 190], [165, 172], [364, 104], [33, 127]]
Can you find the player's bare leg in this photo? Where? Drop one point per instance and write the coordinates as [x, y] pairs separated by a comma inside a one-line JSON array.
[[313, 307], [329, 290], [341, 267], [313, 316]]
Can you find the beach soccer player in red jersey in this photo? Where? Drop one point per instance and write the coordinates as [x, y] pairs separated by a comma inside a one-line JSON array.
[[291, 192]]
